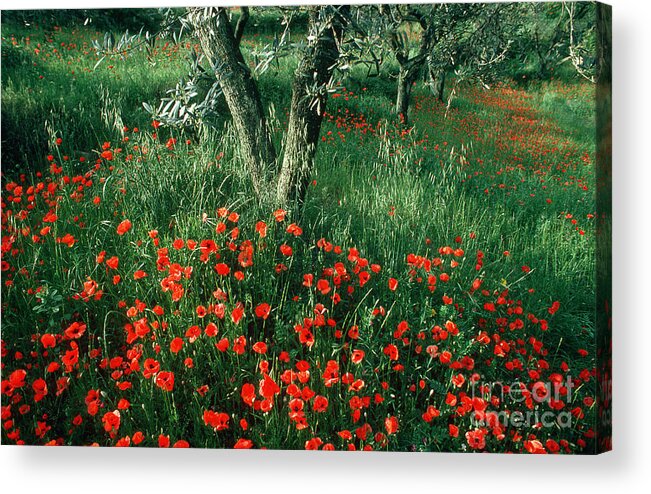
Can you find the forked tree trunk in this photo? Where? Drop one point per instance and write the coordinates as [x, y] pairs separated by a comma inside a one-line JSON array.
[[220, 47], [309, 97], [410, 68], [220, 44]]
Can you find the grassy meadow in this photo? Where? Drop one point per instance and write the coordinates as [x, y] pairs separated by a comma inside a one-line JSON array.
[[148, 300]]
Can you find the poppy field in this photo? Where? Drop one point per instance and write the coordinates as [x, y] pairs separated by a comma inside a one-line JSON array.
[[436, 291]]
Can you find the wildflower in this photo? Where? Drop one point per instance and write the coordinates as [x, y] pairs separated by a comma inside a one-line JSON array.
[[476, 439], [176, 345], [124, 227], [263, 310], [75, 331], [391, 425], [165, 380]]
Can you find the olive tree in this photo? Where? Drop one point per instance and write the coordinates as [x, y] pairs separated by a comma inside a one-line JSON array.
[[273, 179], [438, 38]]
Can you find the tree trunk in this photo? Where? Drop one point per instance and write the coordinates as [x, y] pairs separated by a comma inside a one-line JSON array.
[[409, 67], [402, 100], [439, 86], [309, 98], [221, 48], [406, 79]]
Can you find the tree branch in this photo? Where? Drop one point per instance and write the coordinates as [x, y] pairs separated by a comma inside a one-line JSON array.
[[241, 24]]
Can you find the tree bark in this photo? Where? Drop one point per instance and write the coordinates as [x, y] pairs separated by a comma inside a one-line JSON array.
[[403, 96], [309, 98], [241, 24], [221, 48], [409, 67], [439, 86], [406, 78]]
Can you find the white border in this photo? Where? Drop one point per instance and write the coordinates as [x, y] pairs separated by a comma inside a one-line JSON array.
[[68, 470]]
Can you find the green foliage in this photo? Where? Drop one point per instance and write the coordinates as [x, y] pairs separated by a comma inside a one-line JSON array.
[[102, 19]]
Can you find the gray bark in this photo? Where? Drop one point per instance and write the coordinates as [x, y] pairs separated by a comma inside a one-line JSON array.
[[410, 67], [405, 83], [309, 97], [221, 48], [439, 86]]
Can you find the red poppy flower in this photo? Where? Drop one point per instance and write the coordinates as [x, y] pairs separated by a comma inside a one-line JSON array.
[[193, 333], [393, 284], [268, 387], [458, 380], [218, 421], [222, 269], [139, 274], [75, 331], [357, 356], [391, 351], [243, 444], [320, 403], [48, 341], [222, 345], [124, 227], [554, 308], [40, 391], [248, 393], [263, 310], [165, 380], [237, 313], [286, 250], [535, 447], [261, 228], [260, 347], [111, 421], [476, 439], [176, 345], [294, 229], [211, 330], [391, 425], [239, 345], [150, 367], [323, 286]]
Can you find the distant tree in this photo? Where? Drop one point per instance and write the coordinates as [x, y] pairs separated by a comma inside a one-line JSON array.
[[546, 34], [404, 22], [474, 47], [581, 45], [556, 33], [466, 38]]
